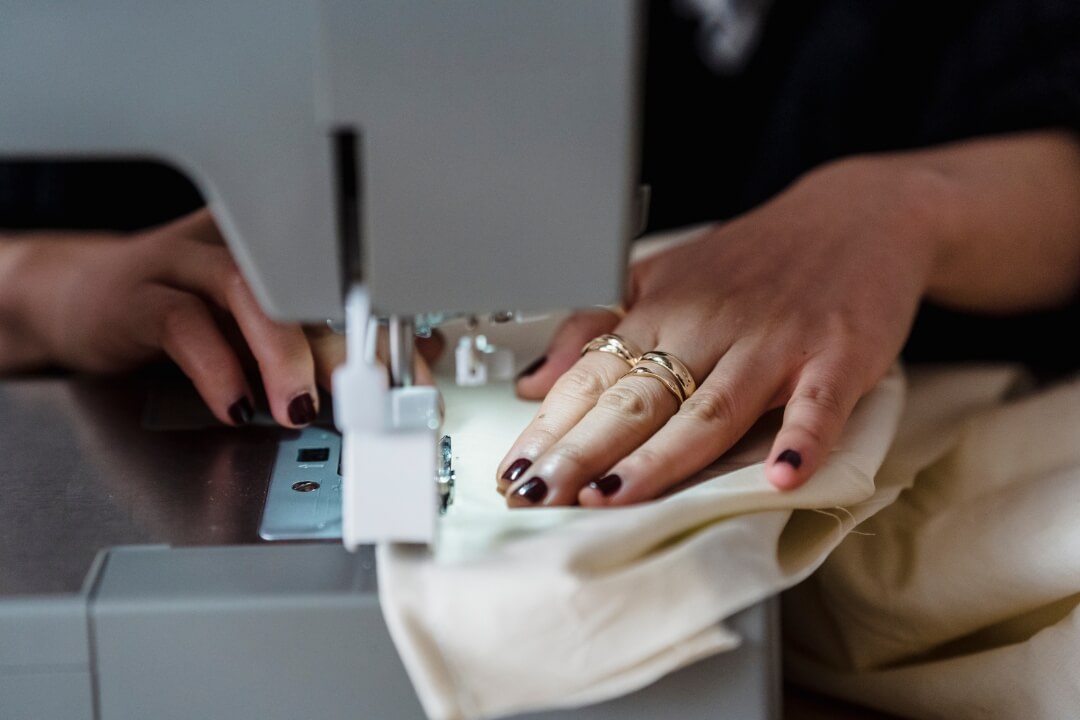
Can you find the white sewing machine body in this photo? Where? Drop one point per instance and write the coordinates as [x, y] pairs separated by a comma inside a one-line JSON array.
[[427, 160]]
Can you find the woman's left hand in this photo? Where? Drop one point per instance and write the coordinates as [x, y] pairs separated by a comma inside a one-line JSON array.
[[106, 302]]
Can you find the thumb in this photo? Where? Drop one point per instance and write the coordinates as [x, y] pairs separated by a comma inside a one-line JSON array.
[[565, 349]]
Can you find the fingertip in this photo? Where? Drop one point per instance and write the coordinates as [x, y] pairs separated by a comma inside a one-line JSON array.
[[531, 369], [601, 492], [787, 470], [813, 421], [537, 379], [302, 410], [431, 348], [782, 477], [534, 381], [240, 412], [529, 390], [510, 472], [530, 493], [591, 496], [188, 334], [284, 356]]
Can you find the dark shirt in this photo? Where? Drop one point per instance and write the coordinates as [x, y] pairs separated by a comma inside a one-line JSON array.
[[121, 196], [832, 78]]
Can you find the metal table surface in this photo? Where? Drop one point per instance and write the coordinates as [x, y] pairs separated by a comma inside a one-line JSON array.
[[91, 463]]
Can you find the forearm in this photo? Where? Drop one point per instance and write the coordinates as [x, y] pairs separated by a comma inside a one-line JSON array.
[[1001, 216], [42, 277], [20, 346]]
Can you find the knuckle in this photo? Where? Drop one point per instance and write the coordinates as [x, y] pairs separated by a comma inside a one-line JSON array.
[[646, 461], [825, 399], [231, 277], [178, 318], [625, 402], [581, 384], [291, 352], [152, 253], [814, 434], [153, 242], [573, 459], [710, 406], [182, 327], [543, 435]]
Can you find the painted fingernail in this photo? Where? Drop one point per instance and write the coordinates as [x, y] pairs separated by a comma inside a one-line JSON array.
[[240, 412], [534, 491], [302, 410], [607, 485], [532, 367], [514, 471], [790, 457]]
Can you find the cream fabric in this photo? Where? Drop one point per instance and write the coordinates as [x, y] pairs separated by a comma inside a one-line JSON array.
[[963, 603], [530, 609]]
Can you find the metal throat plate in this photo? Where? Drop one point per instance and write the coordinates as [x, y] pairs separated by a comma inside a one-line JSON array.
[[303, 501]]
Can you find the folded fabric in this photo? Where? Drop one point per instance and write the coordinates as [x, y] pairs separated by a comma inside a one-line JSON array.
[[963, 600], [541, 608]]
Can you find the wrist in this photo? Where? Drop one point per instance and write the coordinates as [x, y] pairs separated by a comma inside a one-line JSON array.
[[906, 201]]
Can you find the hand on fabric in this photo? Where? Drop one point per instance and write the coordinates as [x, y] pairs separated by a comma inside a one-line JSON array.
[[803, 303], [107, 303]]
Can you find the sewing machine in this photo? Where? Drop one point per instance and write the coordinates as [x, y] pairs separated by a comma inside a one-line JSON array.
[[391, 164]]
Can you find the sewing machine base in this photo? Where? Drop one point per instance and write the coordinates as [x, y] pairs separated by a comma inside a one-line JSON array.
[[279, 632]]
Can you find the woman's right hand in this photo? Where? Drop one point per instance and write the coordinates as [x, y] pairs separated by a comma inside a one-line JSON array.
[[802, 303]]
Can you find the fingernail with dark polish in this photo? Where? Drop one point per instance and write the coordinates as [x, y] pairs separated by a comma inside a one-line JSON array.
[[607, 485], [302, 410], [240, 412], [533, 367], [791, 457], [534, 491], [514, 471]]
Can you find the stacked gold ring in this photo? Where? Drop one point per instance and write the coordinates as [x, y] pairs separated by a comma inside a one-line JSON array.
[[669, 371], [676, 367], [617, 346], [671, 385]]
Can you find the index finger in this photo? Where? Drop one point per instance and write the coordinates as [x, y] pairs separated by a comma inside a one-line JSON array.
[[283, 354], [573, 395], [281, 349]]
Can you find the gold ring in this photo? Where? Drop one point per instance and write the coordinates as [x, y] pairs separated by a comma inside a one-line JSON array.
[[670, 384], [674, 366], [611, 343]]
